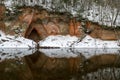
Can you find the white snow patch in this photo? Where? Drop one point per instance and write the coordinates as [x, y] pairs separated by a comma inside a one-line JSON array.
[[7, 41], [73, 42], [8, 3], [58, 41]]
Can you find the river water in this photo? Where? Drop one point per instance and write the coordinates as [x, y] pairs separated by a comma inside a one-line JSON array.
[[59, 64]]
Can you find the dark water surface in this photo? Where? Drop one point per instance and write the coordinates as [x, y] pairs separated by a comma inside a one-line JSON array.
[[60, 64]]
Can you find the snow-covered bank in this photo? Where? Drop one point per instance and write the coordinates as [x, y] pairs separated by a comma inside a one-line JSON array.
[[87, 53], [58, 41], [10, 53], [7, 41], [73, 42], [103, 13]]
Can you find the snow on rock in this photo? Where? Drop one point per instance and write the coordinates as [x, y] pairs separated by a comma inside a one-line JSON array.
[[7, 41], [87, 53], [58, 41], [89, 42], [73, 42], [11, 53], [9, 4], [104, 15]]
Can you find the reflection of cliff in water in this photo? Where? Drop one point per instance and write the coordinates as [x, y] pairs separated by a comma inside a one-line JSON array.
[[39, 66], [62, 68]]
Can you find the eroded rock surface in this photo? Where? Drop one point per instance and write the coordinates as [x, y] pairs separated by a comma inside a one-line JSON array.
[[41, 22]]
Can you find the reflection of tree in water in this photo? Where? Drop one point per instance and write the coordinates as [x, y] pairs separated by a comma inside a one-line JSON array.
[[103, 74], [102, 67]]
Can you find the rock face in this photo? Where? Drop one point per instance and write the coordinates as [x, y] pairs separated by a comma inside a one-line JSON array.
[[110, 35], [2, 26], [104, 34], [41, 23], [2, 16], [38, 23], [57, 68], [2, 12], [75, 28], [36, 32], [96, 31], [52, 28]]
